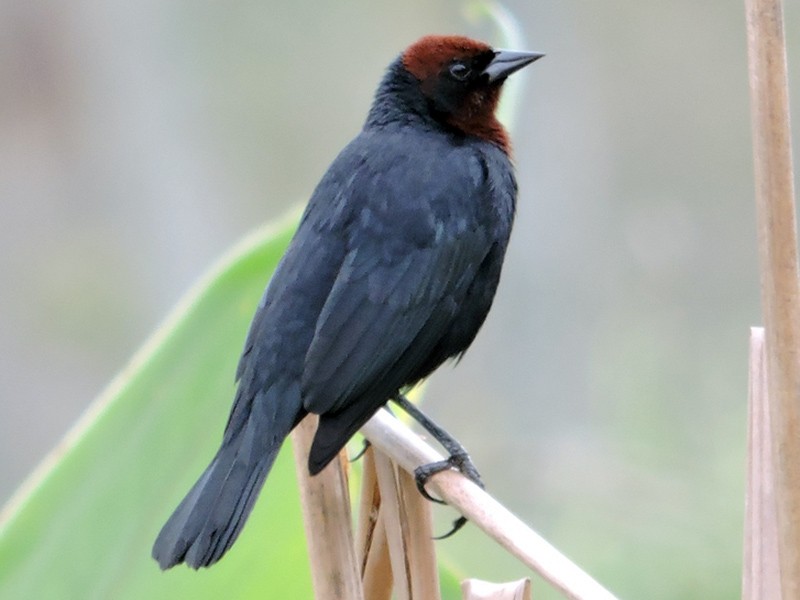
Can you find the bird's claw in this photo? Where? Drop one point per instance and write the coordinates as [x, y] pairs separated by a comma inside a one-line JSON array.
[[424, 472], [457, 524], [459, 461], [361, 452]]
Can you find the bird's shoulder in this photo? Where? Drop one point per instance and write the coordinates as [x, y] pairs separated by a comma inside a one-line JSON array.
[[411, 184]]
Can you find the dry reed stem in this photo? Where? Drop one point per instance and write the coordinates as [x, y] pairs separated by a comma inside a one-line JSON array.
[[368, 508], [475, 589], [777, 238], [409, 451], [761, 575], [371, 546], [409, 532], [326, 514], [420, 543], [378, 580], [390, 519]]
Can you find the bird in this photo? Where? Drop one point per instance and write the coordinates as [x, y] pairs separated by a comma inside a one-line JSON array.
[[391, 272]]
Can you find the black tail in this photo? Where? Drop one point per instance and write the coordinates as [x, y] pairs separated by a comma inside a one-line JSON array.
[[210, 517]]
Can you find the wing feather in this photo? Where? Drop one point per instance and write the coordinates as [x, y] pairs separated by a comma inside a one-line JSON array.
[[374, 315]]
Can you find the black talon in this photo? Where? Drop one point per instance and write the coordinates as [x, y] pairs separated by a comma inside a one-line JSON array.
[[459, 462], [367, 443], [423, 473], [458, 459], [457, 524], [361, 452]]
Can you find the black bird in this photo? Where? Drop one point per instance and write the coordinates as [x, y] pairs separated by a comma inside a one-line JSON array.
[[392, 271]]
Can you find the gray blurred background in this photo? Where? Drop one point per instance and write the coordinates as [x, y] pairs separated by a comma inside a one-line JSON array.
[[604, 400]]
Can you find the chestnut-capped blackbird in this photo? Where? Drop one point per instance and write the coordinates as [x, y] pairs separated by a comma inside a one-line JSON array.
[[392, 271]]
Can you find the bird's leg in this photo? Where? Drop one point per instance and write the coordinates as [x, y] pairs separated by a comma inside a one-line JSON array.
[[458, 457]]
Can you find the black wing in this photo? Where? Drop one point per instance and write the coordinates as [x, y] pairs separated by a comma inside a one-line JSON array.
[[375, 311], [416, 238]]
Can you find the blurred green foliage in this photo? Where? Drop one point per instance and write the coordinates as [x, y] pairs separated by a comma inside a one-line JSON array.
[[85, 526]]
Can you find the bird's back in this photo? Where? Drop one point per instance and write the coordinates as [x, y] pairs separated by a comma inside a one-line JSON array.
[[423, 221]]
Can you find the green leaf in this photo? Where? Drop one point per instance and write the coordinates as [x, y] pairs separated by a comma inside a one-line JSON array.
[[82, 527], [85, 528]]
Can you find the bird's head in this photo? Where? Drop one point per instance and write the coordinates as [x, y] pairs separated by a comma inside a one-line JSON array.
[[461, 79]]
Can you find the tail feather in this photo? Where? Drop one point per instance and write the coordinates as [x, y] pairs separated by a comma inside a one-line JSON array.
[[239, 516], [211, 516]]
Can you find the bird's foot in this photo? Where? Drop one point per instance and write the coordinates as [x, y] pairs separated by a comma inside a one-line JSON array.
[[459, 461]]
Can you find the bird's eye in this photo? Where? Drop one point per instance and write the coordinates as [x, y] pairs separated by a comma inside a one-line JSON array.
[[460, 71]]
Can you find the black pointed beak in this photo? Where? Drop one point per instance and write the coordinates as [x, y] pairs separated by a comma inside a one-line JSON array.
[[506, 62]]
